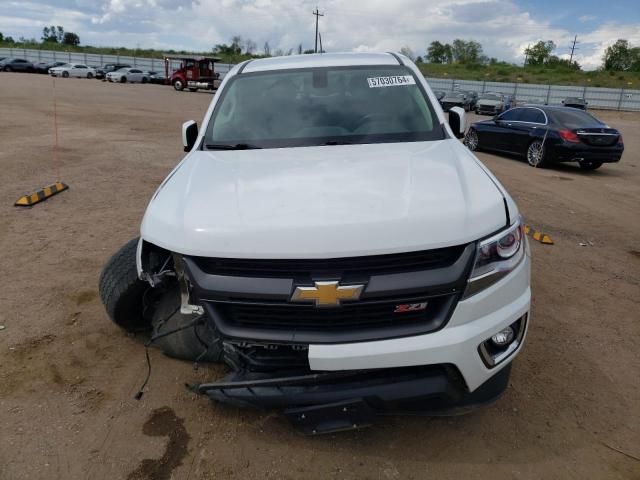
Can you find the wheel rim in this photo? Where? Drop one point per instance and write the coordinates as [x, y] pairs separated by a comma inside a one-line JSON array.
[[471, 140], [534, 154], [178, 85]]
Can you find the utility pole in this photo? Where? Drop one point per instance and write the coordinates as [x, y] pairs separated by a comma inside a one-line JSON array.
[[320, 36], [317, 14], [573, 48]]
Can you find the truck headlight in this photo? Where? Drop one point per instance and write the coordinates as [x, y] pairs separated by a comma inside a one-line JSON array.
[[496, 257]]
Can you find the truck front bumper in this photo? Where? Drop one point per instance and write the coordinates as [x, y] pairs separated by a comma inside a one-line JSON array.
[[434, 373], [474, 321]]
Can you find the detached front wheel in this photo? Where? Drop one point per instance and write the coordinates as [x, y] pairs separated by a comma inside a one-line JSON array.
[[195, 338], [122, 292], [135, 306]]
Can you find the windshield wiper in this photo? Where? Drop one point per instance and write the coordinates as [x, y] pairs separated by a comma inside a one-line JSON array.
[[338, 142], [231, 146]]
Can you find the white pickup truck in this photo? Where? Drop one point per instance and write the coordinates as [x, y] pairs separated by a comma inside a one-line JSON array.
[[329, 238]]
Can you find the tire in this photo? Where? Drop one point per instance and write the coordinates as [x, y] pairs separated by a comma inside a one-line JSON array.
[[89, 75], [144, 80], [8, 69], [471, 140], [123, 79], [178, 85], [590, 165], [65, 74], [122, 292], [536, 154], [201, 343]]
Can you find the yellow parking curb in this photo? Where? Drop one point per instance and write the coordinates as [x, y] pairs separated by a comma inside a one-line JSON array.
[[538, 236], [41, 195]]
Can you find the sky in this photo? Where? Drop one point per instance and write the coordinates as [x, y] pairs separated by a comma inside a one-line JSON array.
[[503, 27]]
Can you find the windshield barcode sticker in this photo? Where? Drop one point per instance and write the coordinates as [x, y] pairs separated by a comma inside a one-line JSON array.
[[394, 81]]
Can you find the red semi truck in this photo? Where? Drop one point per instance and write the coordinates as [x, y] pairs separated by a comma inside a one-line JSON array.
[[195, 72]]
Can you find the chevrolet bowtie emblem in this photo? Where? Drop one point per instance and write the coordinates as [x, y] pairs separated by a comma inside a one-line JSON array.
[[327, 294]]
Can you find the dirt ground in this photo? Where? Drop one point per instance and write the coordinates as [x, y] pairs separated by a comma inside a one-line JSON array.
[[68, 376]]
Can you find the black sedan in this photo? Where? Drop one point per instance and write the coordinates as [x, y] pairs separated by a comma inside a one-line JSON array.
[[575, 102], [43, 67], [16, 65], [473, 98], [546, 135], [101, 72], [440, 94]]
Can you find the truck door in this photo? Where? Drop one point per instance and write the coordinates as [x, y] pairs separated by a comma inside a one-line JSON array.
[[190, 70]]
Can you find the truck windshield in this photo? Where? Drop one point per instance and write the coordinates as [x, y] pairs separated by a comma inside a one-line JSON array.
[[322, 106]]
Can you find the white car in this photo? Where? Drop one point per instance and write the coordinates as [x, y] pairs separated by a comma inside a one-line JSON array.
[[73, 70], [331, 241], [133, 75]]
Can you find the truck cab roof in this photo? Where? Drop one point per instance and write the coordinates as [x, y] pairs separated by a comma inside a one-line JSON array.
[[320, 60]]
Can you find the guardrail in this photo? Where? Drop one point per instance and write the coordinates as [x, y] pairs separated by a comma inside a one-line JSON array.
[[598, 97]]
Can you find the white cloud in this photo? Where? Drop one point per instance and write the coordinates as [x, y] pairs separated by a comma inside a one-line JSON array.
[[593, 44], [503, 28]]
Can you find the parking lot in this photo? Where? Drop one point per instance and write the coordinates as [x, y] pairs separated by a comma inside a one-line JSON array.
[[68, 375]]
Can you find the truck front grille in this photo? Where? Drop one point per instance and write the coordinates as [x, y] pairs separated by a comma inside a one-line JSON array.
[[251, 299], [304, 324], [303, 268], [305, 317]]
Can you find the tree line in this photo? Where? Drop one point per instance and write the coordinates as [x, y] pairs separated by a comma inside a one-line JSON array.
[[240, 47], [621, 56], [52, 34], [469, 52]]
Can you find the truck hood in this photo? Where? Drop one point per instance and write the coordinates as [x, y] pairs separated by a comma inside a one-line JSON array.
[[323, 202]]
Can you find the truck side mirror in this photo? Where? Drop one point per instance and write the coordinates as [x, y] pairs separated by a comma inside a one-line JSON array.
[[189, 135], [456, 121]]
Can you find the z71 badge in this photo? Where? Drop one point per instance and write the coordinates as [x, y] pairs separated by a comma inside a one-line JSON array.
[[410, 307]]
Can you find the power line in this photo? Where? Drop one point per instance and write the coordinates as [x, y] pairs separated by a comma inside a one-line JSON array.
[[317, 14]]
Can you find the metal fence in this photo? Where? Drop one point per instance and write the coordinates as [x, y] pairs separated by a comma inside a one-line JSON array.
[[97, 60], [601, 98]]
